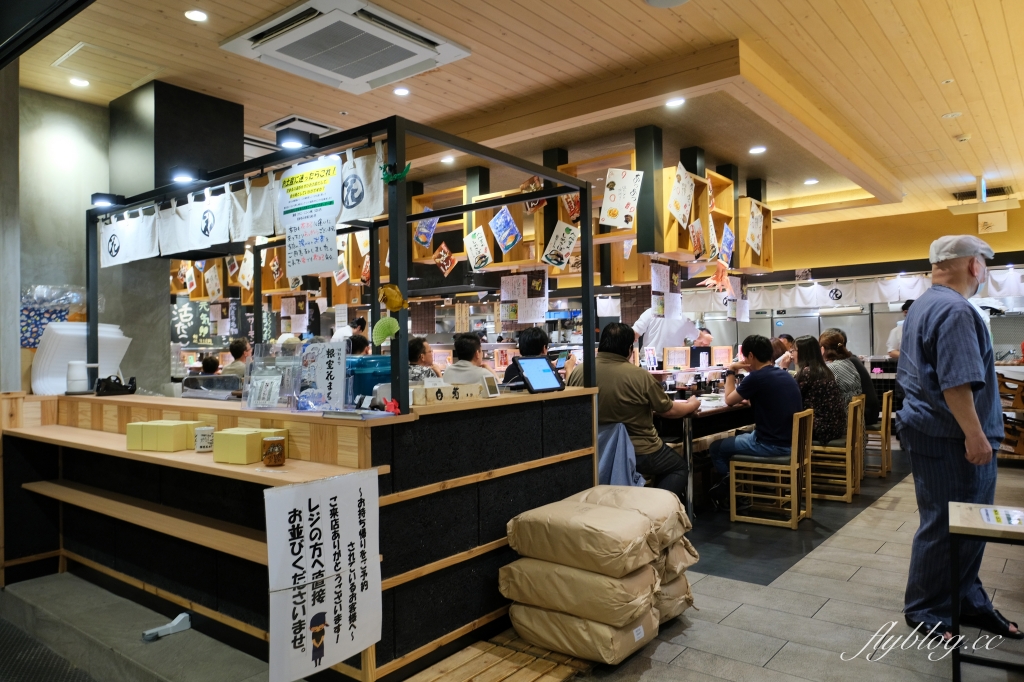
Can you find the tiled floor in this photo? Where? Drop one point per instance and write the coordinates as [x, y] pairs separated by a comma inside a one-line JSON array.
[[830, 602]]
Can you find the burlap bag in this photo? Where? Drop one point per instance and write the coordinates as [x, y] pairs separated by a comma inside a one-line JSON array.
[[612, 542], [672, 562], [585, 594], [586, 639], [662, 507], [672, 598]]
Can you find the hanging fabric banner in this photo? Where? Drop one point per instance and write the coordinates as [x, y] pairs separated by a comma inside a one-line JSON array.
[[127, 240], [209, 221], [258, 220], [172, 229], [362, 188], [913, 286]]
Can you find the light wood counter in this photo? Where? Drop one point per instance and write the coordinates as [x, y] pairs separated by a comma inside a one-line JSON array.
[[503, 400], [965, 519]]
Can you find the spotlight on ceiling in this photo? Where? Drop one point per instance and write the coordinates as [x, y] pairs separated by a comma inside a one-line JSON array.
[[195, 15], [184, 174], [448, 159], [758, 150], [79, 82], [810, 181], [401, 92], [290, 138], [675, 102], [102, 200]]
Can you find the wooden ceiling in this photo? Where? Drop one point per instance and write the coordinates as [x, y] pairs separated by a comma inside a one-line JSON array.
[[873, 70]]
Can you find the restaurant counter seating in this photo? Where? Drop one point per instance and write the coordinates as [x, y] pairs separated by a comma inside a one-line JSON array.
[[776, 485], [882, 431], [836, 466]]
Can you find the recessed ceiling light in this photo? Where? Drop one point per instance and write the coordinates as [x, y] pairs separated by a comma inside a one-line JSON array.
[[675, 102], [79, 82], [448, 159], [401, 92], [947, 81], [758, 150], [810, 181], [952, 114], [195, 15], [343, 113]]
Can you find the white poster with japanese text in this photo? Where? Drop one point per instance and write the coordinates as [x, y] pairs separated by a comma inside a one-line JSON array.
[[308, 204], [621, 194], [325, 593]]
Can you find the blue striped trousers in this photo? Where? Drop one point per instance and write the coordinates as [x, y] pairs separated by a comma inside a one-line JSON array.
[[942, 475]]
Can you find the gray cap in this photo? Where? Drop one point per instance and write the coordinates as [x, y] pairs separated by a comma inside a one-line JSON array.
[[958, 246]]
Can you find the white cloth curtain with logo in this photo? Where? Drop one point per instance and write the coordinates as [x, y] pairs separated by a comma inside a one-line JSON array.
[[128, 239], [258, 218], [878, 291], [913, 286], [362, 189], [832, 294], [209, 220]]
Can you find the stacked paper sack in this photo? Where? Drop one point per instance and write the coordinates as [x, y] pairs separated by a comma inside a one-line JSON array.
[[600, 571]]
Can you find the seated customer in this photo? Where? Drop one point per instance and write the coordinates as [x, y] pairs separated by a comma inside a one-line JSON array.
[[240, 351], [210, 364], [872, 406], [631, 396], [358, 345], [837, 357], [469, 365], [533, 343], [820, 391], [774, 397], [421, 360]]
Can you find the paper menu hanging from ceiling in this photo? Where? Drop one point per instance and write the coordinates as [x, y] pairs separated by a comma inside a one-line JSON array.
[[341, 273], [308, 204], [621, 193], [477, 251], [697, 239], [560, 246], [728, 243], [213, 289], [424, 233], [680, 199], [245, 271], [659, 287], [712, 240], [755, 227], [363, 242], [505, 231]]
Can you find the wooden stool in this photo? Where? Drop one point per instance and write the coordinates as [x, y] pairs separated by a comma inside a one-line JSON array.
[[883, 432], [788, 476], [836, 465]]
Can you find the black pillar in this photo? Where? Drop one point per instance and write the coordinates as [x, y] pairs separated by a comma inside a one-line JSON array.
[[649, 159], [92, 294], [553, 158], [401, 250], [692, 159], [757, 189], [589, 303]]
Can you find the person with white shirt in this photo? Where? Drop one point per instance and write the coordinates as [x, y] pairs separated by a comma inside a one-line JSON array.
[[660, 333], [892, 344], [357, 326]]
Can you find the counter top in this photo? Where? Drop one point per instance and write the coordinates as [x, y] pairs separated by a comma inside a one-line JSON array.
[[114, 444], [509, 398]]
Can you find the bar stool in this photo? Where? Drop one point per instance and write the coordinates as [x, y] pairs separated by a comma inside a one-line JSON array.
[[883, 432], [787, 476], [836, 466]]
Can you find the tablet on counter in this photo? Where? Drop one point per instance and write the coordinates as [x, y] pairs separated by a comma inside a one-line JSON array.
[[539, 375]]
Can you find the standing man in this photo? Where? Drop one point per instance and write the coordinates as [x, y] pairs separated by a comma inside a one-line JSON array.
[[660, 332], [892, 344], [950, 423]]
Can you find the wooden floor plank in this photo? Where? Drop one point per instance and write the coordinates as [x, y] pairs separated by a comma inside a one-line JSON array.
[[477, 665], [579, 665], [518, 644], [504, 637], [532, 672], [452, 662], [559, 673], [502, 669]]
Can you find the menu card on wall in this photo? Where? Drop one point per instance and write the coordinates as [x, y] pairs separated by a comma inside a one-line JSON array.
[[621, 192], [755, 227], [513, 288], [245, 271], [659, 287], [680, 199], [309, 202]]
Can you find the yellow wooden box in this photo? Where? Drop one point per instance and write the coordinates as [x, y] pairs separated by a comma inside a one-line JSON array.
[[190, 436], [134, 435], [267, 433], [164, 436], [237, 446]]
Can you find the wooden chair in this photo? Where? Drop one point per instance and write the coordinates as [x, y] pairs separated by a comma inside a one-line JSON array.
[[785, 478], [1013, 440], [1011, 393], [883, 432], [836, 465]]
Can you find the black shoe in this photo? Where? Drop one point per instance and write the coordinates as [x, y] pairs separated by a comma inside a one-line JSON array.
[[992, 621]]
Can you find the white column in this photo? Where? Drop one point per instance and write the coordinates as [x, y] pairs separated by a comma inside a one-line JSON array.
[[10, 234]]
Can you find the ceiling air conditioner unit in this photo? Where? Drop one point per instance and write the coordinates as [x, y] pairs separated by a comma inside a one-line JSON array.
[[347, 44]]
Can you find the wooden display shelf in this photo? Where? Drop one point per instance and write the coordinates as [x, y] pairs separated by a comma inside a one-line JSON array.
[[748, 260], [598, 166], [200, 293], [675, 238], [239, 541], [114, 445], [722, 188]]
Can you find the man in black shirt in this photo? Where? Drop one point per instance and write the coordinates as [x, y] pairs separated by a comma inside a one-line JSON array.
[[775, 398], [533, 343]]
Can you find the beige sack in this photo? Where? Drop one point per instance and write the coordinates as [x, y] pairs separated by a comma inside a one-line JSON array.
[[586, 639], [585, 594], [672, 562], [662, 507], [673, 598], [606, 540]]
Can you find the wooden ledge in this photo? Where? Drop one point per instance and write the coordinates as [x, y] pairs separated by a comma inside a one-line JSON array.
[[230, 538], [505, 399]]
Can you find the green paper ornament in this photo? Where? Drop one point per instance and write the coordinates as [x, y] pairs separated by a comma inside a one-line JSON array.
[[385, 328]]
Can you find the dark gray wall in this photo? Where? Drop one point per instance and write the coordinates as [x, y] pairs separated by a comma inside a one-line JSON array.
[[132, 130]]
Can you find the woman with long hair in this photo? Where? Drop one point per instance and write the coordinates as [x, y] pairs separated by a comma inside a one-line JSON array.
[[820, 391], [837, 357]]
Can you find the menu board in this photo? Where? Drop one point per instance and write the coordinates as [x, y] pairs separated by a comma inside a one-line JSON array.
[[659, 287], [621, 193], [524, 298], [676, 358]]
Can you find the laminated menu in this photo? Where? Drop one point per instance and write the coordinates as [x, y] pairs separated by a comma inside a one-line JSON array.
[[680, 199], [571, 202], [505, 231], [755, 227], [213, 289], [533, 184], [697, 239], [728, 243], [443, 257], [621, 193], [563, 240], [424, 233], [477, 251]]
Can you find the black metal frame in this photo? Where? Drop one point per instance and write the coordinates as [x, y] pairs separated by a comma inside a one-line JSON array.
[[394, 131]]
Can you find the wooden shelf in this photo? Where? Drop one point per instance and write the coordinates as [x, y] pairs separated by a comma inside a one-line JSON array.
[[115, 445], [239, 541], [749, 261]]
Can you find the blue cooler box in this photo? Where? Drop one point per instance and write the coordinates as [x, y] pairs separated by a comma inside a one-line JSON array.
[[363, 372]]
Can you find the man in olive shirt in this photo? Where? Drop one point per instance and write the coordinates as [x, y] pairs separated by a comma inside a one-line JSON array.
[[631, 396]]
